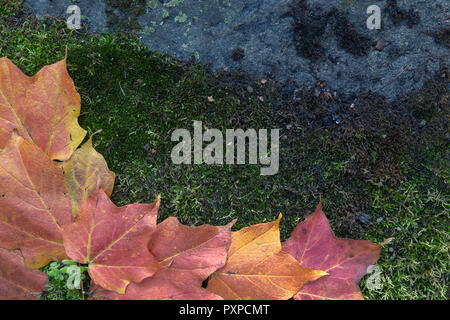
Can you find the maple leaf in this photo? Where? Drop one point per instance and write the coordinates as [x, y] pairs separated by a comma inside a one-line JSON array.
[[34, 203], [195, 252], [43, 108], [113, 241], [156, 288], [84, 172], [257, 269], [314, 245], [188, 254], [16, 281]]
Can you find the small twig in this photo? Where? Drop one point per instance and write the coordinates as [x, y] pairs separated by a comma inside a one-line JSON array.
[[121, 89], [396, 77], [164, 182]]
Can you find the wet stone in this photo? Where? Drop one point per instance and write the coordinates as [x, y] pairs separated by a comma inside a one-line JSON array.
[[301, 41]]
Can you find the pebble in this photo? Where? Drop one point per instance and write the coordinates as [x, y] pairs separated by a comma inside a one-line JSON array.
[[146, 147], [364, 218]]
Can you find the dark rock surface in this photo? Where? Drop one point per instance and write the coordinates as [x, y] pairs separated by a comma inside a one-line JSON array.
[[300, 41]]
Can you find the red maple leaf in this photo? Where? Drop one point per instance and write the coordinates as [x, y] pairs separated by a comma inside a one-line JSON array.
[[314, 245]]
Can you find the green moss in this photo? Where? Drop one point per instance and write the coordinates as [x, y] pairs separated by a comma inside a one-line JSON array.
[[173, 3], [153, 3], [58, 276], [10, 8], [181, 17], [139, 97], [165, 14]]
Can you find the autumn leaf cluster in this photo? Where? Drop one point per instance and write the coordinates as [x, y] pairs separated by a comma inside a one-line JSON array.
[[54, 205]]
